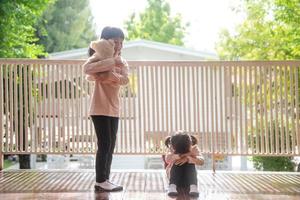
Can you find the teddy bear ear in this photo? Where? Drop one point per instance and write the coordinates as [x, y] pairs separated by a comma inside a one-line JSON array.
[[93, 44], [111, 41]]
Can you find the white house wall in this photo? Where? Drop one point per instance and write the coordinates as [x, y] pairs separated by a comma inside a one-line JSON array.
[[142, 53]]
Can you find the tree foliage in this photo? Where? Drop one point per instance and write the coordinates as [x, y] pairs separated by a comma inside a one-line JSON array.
[[18, 40], [66, 25], [271, 31], [17, 31], [156, 24], [273, 163]]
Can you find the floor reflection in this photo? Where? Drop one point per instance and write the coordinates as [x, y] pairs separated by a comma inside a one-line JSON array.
[[102, 196]]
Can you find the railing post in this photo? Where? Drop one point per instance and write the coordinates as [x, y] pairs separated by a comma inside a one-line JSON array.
[[1, 160], [213, 163], [1, 131]]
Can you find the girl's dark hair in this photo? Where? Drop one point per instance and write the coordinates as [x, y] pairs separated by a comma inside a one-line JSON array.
[[180, 141], [107, 33], [168, 141], [111, 32]]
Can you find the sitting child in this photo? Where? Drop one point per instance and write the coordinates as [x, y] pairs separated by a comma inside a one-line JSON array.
[[181, 159], [104, 49]]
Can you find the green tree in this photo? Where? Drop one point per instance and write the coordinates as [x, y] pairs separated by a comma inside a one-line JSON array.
[[271, 31], [18, 40], [156, 24], [17, 31], [66, 25], [273, 163]]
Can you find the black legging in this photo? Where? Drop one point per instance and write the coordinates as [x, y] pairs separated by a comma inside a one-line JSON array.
[[184, 175], [106, 129]]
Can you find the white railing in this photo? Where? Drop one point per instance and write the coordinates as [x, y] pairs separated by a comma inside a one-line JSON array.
[[234, 108]]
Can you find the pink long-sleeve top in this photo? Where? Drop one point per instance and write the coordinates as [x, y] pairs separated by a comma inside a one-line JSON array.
[[105, 99], [194, 157]]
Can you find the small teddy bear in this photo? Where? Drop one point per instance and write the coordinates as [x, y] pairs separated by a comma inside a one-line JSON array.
[[104, 49]]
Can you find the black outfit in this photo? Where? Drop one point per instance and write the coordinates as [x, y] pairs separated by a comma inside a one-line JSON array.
[[106, 129], [184, 175]]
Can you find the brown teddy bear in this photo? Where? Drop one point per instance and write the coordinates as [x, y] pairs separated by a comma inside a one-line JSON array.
[[104, 49]]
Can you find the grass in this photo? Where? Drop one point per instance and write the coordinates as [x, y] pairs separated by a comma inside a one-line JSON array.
[[8, 163]]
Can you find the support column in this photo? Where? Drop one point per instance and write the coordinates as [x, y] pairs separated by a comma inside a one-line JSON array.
[[1, 160], [213, 160]]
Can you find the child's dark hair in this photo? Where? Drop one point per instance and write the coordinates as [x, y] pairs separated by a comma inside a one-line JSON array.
[[107, 33], [181, 142]]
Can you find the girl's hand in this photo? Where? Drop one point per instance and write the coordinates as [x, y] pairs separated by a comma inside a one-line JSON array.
[[195, 150], [117, 53], [91, 77], [114, 77], [117, 70], [109, 77], [186, 154], [181, 161], [119, 61]]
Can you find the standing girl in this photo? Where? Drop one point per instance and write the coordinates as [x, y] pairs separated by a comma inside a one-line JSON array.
[[104, 107]]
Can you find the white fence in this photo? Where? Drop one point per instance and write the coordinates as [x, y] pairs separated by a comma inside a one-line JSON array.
[[234, 108]]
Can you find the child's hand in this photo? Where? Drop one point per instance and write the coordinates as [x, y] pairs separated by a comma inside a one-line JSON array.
[[181, 161], [117, 70], [91, 77], [118, 61], [186, 154], [112, 77], [195, 160], [195, 150]]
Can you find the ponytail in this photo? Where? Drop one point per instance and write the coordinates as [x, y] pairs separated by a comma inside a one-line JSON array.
[[168, 141]]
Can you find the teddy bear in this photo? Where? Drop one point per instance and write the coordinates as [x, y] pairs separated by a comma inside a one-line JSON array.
[[104, 49]]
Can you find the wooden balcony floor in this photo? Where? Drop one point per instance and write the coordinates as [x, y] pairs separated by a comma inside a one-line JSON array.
[[145, 184]]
